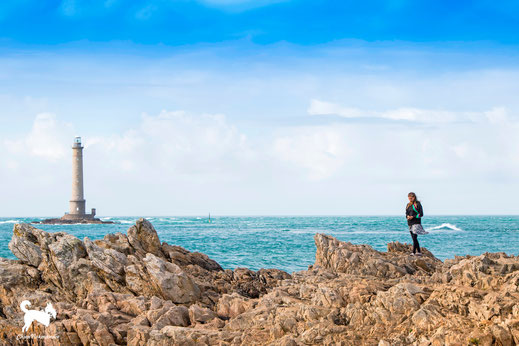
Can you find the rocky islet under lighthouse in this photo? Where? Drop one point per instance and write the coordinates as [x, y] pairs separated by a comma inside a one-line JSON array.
[[77, 204]]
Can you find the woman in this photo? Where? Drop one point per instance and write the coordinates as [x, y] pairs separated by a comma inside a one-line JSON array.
[[414, 214]]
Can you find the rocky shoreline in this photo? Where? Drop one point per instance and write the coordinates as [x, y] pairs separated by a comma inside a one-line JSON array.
[[132, 289], [62, 221]]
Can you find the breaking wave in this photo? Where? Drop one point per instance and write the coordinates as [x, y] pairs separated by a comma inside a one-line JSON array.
[[444, 226], [126, 221], [10, 221]]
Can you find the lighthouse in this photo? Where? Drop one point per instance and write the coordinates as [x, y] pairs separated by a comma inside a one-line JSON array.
[[77, 204]]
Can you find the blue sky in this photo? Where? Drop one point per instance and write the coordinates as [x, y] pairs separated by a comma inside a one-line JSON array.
[[301, 22], [260, 107]]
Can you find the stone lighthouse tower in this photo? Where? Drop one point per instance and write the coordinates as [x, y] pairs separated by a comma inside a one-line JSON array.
[[77, 201]]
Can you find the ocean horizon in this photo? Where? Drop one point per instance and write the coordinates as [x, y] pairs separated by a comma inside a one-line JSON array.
[[286, 242]]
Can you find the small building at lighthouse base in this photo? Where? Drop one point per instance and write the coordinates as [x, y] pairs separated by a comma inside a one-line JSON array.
[[69, 216]]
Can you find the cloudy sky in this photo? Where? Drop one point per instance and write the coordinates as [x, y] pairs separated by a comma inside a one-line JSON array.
[[264, 107]]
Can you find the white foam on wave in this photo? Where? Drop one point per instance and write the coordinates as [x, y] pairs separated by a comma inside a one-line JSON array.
[[126, 221], [444, 226], [9, 221]]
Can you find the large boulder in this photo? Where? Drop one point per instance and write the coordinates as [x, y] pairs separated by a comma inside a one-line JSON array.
[[60, 257], [110, 262], [144, 239], [116, 241], [24, 244], [170, 281], [344, 257], [182, 257], [16, 280], [65, 263]]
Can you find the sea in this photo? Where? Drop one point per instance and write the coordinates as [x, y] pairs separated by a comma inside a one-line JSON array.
[[286, 242]]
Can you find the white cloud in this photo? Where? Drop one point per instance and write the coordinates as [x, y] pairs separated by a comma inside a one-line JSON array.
[[47, 139], [464, 146], [173, 144], [413, 114], [461, 149], [180, 162], [423, 129], [318, 107], [497, 115], [164, 156], [320, 151]]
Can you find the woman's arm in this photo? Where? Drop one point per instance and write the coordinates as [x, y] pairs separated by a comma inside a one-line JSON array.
[[419, 210], [408, 212]]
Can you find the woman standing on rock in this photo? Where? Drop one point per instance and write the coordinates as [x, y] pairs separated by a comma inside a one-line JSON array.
[[414, 214]]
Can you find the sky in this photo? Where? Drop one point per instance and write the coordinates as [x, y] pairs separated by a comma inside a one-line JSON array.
[[265, 107]]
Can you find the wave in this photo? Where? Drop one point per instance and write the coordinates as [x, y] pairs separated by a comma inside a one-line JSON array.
[[126, 221], [10, 221], [185, 221], [444, 226]]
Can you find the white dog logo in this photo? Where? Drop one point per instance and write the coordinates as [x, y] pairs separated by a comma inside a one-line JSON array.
[[36, 315]]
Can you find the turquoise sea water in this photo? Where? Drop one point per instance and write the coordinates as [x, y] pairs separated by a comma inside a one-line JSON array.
[[287, 242]]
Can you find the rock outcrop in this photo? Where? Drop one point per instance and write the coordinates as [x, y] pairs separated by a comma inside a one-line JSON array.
[[65, 221], [131, 289]]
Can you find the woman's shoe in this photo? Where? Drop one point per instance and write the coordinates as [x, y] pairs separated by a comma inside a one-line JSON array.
[[419, 254], [412, 254]]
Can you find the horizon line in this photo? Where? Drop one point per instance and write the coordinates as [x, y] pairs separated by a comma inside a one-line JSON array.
[[266, 215]]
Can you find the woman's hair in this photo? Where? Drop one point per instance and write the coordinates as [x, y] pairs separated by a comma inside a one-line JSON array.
[[412, 194]]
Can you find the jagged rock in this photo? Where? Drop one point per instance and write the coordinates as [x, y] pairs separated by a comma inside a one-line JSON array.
[[64, 264], [24, 244], [399, 299], [13, 274], [198, 314], [170, 281], [138, 336], [144, 239], [110, 262], [182, 257], [118, 241], [132, 290], [347, 258], [344, 257], [252, 284], [168, 315], [231, 305]]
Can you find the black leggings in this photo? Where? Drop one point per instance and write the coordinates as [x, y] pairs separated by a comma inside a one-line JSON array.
[[416, 246]]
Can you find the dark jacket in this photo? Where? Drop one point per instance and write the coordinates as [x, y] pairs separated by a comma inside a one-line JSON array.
[[417, 212]]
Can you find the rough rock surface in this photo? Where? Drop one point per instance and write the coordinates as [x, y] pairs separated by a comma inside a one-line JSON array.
[[131, 289]]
